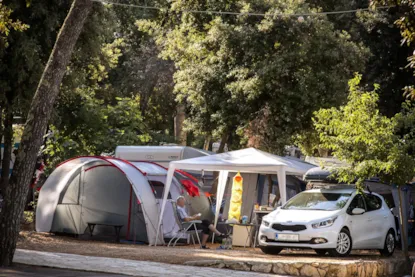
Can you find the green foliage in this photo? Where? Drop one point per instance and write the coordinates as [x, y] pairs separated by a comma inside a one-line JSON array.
[[387, 61], [100, 129], [309, 143], [406, 24], [368, 141], [376, 30], [255, 78], [22, 62], [111, 90], [7, 24]]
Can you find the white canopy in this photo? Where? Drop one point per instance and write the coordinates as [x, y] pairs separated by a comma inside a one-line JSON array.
[[248, 160]]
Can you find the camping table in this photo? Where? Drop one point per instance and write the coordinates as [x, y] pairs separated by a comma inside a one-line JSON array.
[[117, 228], [250, 227]]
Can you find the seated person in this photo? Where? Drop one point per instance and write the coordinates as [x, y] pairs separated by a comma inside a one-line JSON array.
[[205, 226]]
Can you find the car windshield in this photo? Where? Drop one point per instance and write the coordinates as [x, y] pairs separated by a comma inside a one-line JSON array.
[[317, 201]]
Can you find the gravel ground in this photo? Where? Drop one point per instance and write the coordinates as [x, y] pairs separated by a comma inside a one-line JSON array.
[[177, 255]]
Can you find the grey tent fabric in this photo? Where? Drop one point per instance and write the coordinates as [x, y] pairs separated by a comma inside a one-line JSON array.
[[95, 190], [111, 191]]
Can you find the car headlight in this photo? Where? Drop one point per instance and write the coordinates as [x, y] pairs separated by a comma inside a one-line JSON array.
[[325, 223], [265, 223]]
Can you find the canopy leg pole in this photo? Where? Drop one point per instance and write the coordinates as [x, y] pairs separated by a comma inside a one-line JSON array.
[[282, 184], [169, 179], [222, 180]]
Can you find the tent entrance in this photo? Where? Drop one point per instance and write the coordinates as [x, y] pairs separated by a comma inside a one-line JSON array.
[[100, 194], [136, 227]]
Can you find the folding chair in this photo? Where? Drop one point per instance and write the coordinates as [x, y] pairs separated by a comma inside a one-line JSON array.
[[185, 228]]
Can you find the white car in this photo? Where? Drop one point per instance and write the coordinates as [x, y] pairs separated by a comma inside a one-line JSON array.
[[333, 220]]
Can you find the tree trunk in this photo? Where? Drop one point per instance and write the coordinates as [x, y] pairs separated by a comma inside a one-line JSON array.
[[179, 133], [8, 145], [214, 188], [403, 230], [207, 142], [35, 127], [1, 129], [223, 142]]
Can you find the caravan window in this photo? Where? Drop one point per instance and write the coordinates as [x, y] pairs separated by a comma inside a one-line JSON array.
[[158, 188]]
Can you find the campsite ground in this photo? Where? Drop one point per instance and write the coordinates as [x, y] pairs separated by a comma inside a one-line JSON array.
[[293, 263], [178, 255], [37, 271]]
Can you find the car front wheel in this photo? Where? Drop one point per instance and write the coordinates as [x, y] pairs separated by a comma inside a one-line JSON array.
[[389, 246], [271, 250], [344, 244]]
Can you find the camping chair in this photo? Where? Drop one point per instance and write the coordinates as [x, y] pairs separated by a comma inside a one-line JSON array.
[[188, 228]]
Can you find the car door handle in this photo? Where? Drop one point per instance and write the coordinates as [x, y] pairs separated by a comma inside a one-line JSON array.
[[369, 219]]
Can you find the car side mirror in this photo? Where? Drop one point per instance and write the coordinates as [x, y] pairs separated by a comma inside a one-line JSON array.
[[357, 211]]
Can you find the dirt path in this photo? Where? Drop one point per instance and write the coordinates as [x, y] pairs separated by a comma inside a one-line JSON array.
[[177, 255]]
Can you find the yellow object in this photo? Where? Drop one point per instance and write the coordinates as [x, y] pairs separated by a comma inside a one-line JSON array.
[[236, 198]]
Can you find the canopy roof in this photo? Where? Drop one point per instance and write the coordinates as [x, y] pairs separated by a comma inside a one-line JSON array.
[[245, 160], [248, 160]]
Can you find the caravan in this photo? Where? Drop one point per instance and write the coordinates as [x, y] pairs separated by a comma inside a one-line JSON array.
[[162, 155]]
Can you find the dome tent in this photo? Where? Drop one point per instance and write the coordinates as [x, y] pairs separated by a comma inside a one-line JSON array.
[[105, 190]]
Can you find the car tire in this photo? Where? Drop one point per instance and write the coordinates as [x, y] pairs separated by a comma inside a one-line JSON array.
[[271, 250], [389, 246], [344, 244], [321, 252]]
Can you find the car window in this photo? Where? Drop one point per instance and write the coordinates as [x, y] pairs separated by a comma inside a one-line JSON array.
[[373, 202], [327, 201], [357, 202]]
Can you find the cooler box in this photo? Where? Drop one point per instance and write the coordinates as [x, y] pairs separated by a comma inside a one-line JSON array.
[[240, 236]]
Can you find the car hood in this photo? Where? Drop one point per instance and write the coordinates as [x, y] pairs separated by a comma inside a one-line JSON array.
[[300, 216]]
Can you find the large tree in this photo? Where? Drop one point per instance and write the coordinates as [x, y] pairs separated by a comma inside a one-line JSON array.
[[405, 21], [7, 26], [380, 30], [255, 78], [370, 144], [387, 62], [37, 120], [121, 94]]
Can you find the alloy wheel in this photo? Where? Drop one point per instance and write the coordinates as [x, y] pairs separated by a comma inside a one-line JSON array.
[[343, 243], [390, 243]]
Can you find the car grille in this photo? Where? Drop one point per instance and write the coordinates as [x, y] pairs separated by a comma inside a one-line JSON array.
[[294, 228], [288, 242]]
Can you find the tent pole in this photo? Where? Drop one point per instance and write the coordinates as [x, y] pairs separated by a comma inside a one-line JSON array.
[[282, 184], [269, 176], [81, 194], [169, 180], [223, 178], [129, 212]]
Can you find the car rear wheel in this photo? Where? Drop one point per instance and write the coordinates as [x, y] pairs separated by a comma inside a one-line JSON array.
[[271, 250], [389, 246], [344, 244], [321, 252]]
